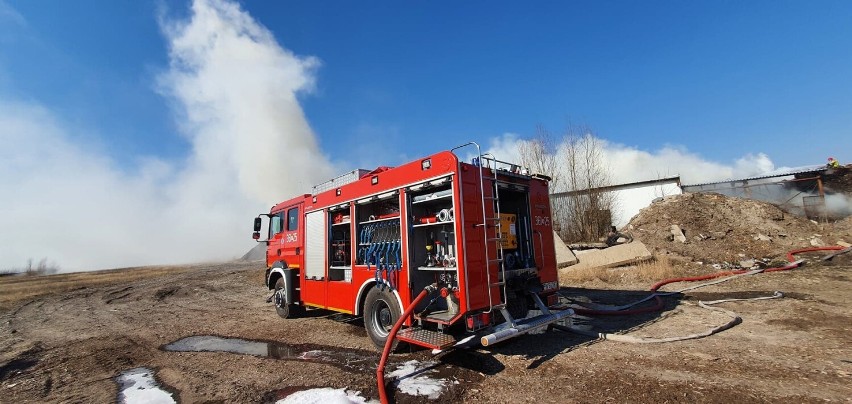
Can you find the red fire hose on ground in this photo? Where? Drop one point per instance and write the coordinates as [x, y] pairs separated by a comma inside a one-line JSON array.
[[657, 306], [658, 302], [380, 371], [656, 295]]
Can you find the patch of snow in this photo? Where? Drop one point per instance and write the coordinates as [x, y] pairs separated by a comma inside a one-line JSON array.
[[465, 340], [137, 386], [313, 354], [325, 395], [464, 343], [412, 379]]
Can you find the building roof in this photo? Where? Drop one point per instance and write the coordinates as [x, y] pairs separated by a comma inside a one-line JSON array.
[[775, 174], [617, 187]]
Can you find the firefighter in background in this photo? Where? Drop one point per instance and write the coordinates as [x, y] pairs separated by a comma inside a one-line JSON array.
[[832, 163]]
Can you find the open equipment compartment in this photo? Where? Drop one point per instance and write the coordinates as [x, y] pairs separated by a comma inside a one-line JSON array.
[[432, 243], [340, 243], [515, 229], [379, 236]]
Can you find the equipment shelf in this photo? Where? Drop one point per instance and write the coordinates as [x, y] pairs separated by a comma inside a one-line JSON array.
[[432, 224], [379, 220], [341, 223], [437, 198], [437, 268]]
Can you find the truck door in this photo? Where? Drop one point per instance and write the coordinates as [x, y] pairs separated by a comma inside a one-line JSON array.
[[292, 244], [285, 243]]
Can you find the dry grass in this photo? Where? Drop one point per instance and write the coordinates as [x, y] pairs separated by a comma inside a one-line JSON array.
[[656, 269], [17, 288]]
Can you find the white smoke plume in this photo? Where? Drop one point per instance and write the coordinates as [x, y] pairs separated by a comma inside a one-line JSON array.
[[235, 91]]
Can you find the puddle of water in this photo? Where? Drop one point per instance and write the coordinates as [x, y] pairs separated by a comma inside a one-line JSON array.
[[325, 395], [137, 386], [424, 379], [415, 379], [349, 359]]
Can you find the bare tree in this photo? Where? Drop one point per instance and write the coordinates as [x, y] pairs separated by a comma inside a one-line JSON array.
[[584, 211], [539, 154], [581, 205]]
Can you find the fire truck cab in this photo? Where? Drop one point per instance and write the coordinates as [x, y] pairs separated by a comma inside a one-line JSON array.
[[367, 242]]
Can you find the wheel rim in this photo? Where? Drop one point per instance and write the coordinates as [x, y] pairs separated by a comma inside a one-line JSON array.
[[280, 298], [382, 318]]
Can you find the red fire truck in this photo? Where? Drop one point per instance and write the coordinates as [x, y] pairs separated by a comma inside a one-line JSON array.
[[367, 242]]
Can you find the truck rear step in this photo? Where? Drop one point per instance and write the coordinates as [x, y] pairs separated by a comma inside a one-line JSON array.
[[426, 338], [444, 317]]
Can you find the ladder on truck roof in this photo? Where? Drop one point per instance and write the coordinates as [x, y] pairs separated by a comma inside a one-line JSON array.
[[496, 224]]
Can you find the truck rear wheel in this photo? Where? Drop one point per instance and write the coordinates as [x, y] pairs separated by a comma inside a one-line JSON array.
[[281, 300], [381, 312]]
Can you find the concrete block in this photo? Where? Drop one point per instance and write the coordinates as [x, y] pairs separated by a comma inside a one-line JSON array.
[[678, 234], [622, 254], [564, 255]]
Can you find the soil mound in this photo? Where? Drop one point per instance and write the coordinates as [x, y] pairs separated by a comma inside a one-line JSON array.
[[722, 229], [256, 253]]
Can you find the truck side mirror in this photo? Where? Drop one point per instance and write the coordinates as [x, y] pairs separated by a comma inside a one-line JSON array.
[[256, 235], [257, 223]]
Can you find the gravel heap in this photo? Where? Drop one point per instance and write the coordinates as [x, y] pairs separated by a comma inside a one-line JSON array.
[[728, 231]]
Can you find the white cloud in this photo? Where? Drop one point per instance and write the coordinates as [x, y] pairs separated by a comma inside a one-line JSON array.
[[630, 164], [235, 90], [9, 14], [505, 147]]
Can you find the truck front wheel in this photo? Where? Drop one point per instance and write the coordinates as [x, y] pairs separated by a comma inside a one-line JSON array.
[[381, 312], [282, 303]]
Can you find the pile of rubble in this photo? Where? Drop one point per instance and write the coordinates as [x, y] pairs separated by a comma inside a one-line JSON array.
[[727, 231]]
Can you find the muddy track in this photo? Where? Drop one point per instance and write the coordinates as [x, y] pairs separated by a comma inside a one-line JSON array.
[[71, 345]]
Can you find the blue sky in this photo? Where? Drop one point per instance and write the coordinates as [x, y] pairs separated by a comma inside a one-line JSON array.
[[721, 79], [135, 126]]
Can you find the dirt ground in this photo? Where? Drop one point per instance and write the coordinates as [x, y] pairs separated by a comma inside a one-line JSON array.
[[65, 338]]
